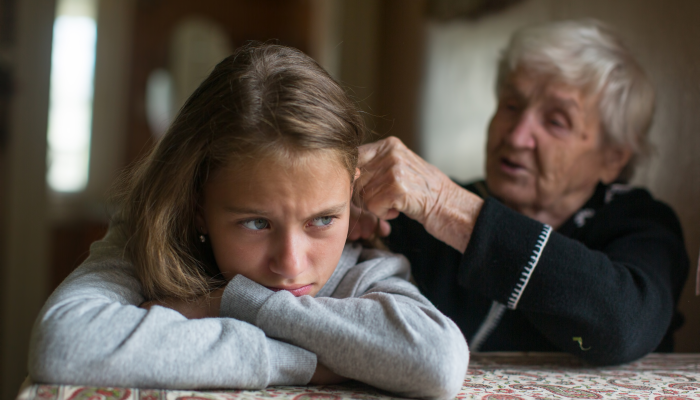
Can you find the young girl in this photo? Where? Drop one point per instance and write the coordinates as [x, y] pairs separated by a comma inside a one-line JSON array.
[[227, 265]]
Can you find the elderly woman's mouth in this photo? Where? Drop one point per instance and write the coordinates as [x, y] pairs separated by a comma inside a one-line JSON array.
[[511, 166]]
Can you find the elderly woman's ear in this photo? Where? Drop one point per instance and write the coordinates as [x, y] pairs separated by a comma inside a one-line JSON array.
[[615, 158]]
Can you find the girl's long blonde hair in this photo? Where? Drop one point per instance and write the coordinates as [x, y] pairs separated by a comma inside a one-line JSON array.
[[263, 100]]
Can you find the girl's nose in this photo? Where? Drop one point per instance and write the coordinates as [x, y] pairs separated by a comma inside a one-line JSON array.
[[289, 259]]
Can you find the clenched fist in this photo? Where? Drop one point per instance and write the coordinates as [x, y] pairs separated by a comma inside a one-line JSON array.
[[394, 179]]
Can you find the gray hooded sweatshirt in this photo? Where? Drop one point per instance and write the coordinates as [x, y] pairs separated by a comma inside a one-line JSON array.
[[367, 323]]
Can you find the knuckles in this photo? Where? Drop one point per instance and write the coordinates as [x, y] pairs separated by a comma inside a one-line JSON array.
[[395, 149], [397, 172], [394, 142]]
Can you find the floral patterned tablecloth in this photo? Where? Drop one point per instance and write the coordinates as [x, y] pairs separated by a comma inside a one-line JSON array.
[[491, 376]]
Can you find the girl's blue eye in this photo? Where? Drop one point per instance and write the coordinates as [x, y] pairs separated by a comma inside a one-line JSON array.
[[322, 221], [256, 224]]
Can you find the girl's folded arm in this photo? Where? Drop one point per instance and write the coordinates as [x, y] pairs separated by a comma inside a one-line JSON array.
[[91, 332], [387, 334]]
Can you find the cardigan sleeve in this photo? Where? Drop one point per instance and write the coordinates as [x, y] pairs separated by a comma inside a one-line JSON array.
[[376, 328], [610, 303], [92, 332]]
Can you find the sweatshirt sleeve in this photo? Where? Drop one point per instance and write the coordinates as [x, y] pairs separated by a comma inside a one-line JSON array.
[[376, 328], [610, 303], [91, 332]]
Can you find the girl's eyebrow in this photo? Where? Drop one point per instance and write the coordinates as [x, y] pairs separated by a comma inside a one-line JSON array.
[[333, 210], [243, 210]]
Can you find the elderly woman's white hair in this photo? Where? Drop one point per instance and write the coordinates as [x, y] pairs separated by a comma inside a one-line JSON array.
[[589, 55]]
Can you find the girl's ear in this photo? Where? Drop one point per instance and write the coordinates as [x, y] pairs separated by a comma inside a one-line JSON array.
[[200, 223]]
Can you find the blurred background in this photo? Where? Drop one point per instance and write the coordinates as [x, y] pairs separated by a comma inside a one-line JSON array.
[[87, 86]]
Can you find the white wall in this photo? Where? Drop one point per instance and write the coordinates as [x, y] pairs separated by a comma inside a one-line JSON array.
[[665, 36], [459, 95]]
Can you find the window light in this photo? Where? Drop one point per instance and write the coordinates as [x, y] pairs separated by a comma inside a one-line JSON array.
[[71, 93]]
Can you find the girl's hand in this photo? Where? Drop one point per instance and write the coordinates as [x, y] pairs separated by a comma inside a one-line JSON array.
[[200, 307], [324, 376]]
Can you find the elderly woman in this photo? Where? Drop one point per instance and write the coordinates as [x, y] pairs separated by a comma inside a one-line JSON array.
[[553, 251]]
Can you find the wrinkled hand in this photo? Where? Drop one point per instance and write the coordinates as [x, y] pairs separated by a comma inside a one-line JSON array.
[[324, 376], [201, 307], [394, 179]]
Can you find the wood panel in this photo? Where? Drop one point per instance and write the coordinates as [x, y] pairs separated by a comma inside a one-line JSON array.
[[288, 21], [70, 244], [401, 69]]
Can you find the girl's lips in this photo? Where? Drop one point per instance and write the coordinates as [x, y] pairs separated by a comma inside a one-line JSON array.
[[300, 291]]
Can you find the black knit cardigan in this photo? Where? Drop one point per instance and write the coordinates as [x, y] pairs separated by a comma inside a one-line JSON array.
[[604, 286]]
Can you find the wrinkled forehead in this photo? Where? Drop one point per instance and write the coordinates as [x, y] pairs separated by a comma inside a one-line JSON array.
[[538, 86]]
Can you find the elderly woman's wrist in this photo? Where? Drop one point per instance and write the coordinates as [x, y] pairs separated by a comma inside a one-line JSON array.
[[452, 219]]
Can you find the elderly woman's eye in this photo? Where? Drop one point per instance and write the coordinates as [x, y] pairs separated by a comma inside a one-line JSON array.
[[556, 123], [559, 121], [322, 221], [256, 224], [511, 106]]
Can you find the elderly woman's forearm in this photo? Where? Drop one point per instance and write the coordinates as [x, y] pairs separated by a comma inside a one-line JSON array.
[[453, 217], [608, 303]]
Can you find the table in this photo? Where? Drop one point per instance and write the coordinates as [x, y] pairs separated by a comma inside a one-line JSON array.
[[491, 376]]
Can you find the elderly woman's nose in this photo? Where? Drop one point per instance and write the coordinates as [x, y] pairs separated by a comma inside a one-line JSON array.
[[522, 134], [288, 258]]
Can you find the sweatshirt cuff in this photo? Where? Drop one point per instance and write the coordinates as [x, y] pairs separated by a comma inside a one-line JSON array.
[[243, 299], [503, 252], [289, 364]]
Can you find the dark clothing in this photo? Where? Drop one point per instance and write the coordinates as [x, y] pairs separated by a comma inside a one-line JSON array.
[[604, 286]]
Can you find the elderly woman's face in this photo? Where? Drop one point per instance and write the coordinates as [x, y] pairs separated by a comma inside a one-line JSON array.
[[544, 150]]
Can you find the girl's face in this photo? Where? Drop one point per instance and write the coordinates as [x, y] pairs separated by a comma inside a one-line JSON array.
[[280, 224]]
